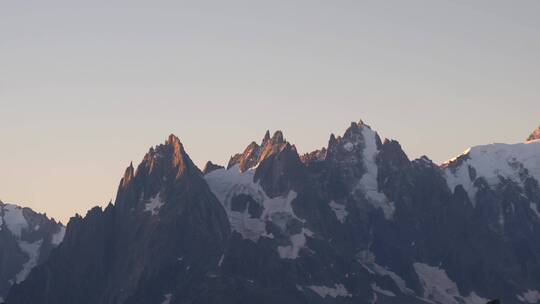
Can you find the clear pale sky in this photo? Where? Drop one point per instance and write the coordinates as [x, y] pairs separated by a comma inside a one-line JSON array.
[[85, 88]]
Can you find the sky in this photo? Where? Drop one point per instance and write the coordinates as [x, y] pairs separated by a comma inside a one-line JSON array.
[[88, 86]]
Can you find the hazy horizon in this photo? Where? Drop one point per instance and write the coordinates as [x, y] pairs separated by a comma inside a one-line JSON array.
[[86, 90]]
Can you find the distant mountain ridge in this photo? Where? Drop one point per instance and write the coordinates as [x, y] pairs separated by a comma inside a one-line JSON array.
[[26, 238], [354, 222]]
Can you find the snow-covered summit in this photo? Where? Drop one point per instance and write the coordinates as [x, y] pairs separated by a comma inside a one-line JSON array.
[[494, 162]]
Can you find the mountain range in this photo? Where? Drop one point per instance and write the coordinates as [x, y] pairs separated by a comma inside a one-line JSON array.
[[354, 222]]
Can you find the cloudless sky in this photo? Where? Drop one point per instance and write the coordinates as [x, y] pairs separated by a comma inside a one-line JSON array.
[[88, 86]]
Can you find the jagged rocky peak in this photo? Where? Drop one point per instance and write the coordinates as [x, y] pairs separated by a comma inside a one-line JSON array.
[[210, 166], [277, 138], [392, 144], [129, 174], [163, 164], [179, 159], [168, 158], [393, 152], [357, 137], [163, 229], [280, 169], [534, 135], [266, 137], [358, 160], [255, 153], [314, 156], [276, 144], [424, 161]]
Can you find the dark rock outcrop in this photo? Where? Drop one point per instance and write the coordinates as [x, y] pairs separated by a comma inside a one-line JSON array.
[[210, 166], [314, 156]]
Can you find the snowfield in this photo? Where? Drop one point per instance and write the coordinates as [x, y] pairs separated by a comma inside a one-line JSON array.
[[226, 184], [493, 162]]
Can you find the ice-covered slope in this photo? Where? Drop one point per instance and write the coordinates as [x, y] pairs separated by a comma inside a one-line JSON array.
[[493, 163], [250, 221]]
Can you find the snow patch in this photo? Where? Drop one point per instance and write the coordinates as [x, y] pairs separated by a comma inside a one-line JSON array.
[[12, 216], [221, 260], [440, 288], [14, 219], [368, 183], [168, 298], [226, 184], [340, 211], [375, 298], [250, 228], [324, 291], [298, 241], [59, 236], [530, 296], [534, 208], [400, 283], [32, 251], [387, 293], [279, 205], [348, 146], [437, 285], [154, 204], [473, 298], [367, 259]]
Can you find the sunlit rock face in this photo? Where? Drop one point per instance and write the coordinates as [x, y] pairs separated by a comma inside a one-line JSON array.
[[354, 222], [534, 135], [26, 239], [256, 153]]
